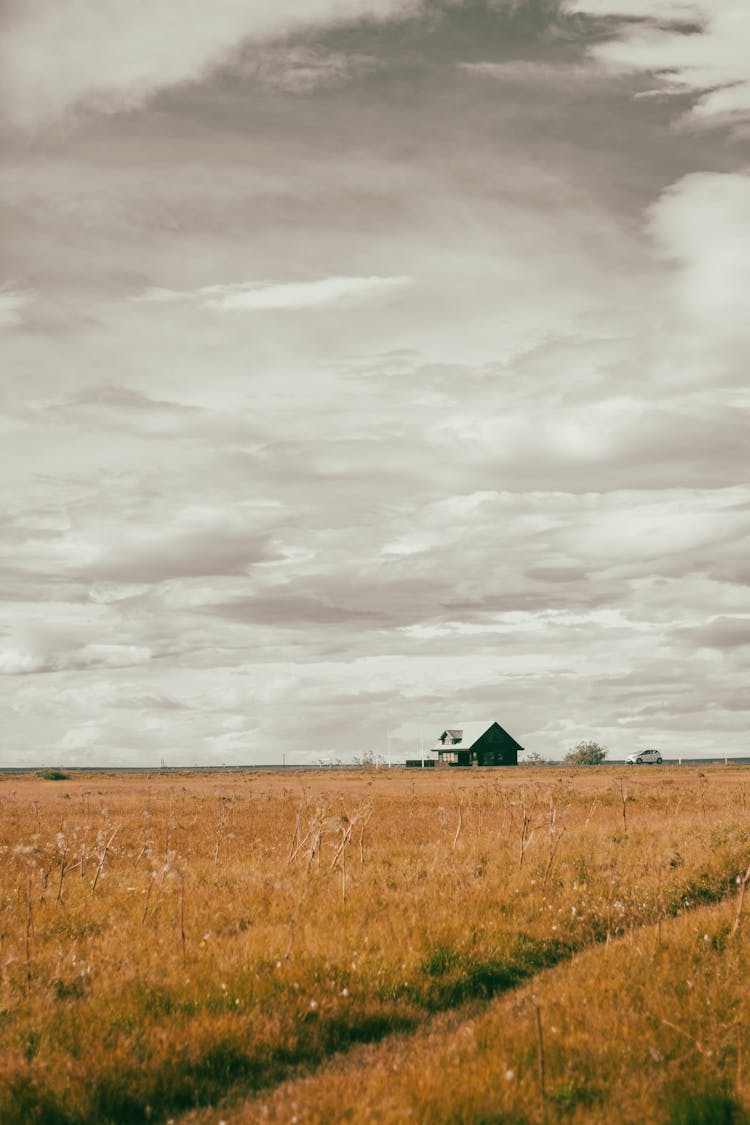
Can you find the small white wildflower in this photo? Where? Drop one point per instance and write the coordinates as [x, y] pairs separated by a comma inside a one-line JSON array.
[[344, 991], [313, 1005], [510, 1075]]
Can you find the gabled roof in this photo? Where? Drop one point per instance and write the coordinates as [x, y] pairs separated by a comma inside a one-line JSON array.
[[469, 732]]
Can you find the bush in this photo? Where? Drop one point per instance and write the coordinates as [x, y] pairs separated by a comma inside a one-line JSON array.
[[586, 754], [52, 775]]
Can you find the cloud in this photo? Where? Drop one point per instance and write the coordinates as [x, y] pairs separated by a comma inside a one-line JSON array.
[[683, 10], [15, 661], [108, 56], [326, 291], [193, 543], [699, 47], [300, 69], [723, 633], [223, 526], [111, 656], [143, 538], [46, 647], [294, 609], [701, 224], [12, 304], [529, 72]]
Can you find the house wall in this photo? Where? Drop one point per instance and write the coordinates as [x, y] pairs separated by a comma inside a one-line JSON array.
[[496, 748]]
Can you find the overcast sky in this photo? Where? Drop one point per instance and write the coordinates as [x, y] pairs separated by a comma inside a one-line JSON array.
[[373, 365]]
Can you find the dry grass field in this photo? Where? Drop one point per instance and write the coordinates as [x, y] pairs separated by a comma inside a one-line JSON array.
[[482, 946]]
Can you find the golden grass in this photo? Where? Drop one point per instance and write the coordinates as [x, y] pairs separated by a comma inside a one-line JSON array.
[[176, 941], [650, 1030]]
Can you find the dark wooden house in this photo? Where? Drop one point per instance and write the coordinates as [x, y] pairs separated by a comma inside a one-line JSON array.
[[476, 744]]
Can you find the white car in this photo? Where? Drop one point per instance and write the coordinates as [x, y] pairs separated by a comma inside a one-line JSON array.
[[644, 757]]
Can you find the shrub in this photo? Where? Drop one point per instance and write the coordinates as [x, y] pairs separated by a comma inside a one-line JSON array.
[[586, 754]]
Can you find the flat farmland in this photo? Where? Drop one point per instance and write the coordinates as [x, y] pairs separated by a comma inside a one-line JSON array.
[[520, 945]]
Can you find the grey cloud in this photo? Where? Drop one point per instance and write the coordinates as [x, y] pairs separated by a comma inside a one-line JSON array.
[[122, 399], [722, 633], [738, 700], [143, 538], [125, 409], [109, 58], [704, 54], [294, 610], [288, 295], [12, 305], [300, 69], [75, 641], [214, 546]]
